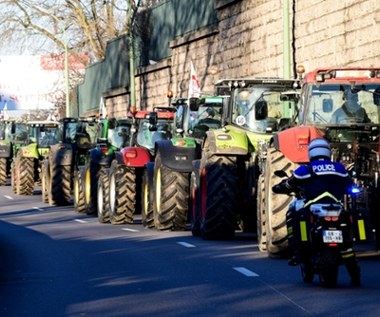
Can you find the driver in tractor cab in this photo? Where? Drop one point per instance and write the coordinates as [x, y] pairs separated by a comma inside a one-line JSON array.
[[351, 110], [322, 181]]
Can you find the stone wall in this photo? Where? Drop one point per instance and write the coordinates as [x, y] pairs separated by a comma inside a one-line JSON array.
[[248, 41]]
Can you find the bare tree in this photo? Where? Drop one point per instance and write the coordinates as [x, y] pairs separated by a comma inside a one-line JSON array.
[[84, 26]]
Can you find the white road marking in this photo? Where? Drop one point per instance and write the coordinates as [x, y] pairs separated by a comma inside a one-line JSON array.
[[130, 230], [8, 197], [80, 220], [245, 271], [187, 245], [37, 208]]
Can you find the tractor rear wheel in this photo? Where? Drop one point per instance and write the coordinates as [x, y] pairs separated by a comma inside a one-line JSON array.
[[59, 185], [194, 201], [103, 197], [91, 186], [3, 171], [276, 205], [79, 205], [219, 192], [147, 203], [122, 193], [171, 197], [44, 181], [26, 174], [261, 234]]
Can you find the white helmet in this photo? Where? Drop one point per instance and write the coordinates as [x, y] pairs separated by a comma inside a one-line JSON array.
[[319, 148]]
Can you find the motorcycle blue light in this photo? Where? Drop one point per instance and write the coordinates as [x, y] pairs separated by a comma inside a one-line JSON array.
[[355, 190]]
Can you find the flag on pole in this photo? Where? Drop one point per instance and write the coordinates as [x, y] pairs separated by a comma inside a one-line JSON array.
[[102, 109], [5, 112], [194, 86]]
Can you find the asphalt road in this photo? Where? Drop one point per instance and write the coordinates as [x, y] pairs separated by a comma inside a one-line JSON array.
[[54, 262]]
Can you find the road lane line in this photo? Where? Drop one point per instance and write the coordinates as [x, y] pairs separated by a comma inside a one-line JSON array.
[[37, 208], [245, 271], [8, 197], [130, 230], [187, 245], [80, 220]]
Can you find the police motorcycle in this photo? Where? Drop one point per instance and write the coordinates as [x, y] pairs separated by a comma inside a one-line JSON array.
[[322, 235]]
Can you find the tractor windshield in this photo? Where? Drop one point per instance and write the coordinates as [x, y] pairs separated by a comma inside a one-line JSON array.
[[47, 136], [341, 104], [207, 117], [262, 109], [147, 136], [119, 137]]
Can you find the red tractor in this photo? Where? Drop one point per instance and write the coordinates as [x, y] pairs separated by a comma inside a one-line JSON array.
[[342, 105], [127, 169]]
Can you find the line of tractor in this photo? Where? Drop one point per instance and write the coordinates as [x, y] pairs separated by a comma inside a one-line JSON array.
[[203, 164]]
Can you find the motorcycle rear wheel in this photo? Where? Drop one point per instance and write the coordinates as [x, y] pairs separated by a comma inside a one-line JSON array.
[[328, 276], [307, 271]]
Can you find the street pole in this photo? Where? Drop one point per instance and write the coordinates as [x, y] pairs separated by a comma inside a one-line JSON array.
[[67, 84]]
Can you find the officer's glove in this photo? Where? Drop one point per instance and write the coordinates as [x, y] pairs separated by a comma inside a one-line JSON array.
[[281, 188]]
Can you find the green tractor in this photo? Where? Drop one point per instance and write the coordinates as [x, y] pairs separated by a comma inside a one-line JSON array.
[[59, 166], [12, 135], [113, 134], [225, 181], [168, 177], [26, 165]]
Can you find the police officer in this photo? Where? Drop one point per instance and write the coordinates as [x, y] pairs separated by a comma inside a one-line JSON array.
[[321, 180]]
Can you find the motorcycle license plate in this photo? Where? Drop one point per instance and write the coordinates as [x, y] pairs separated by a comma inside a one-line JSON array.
[[332, 236]]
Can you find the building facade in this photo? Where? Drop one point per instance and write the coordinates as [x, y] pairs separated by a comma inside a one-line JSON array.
[[236, 38]]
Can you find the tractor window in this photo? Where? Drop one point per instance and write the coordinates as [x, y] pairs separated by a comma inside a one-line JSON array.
[[341, 104], [207, 117], [249, 112], [147, 138], [2, 131], [48, 136], [119, 137]]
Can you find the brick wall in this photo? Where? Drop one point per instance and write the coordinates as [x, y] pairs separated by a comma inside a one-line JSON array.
[[248, 41]]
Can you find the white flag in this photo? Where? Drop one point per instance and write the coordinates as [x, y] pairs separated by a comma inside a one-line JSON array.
[[102, 109], [194, 86]]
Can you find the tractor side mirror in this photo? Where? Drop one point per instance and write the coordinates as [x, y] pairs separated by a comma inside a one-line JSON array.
[[376, 97], [153, 121], [194, 104]]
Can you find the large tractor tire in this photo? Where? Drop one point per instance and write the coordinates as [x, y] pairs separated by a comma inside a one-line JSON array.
[[14, 176], [25, 183], [44, 181], [171, 201], [219, 192], [261, 231], [59, 185], [194, 201], [248, 174], [3, 171], [103, 196], [122, 193], [91, 177], [276, 205], [147, 213], [79, 205]]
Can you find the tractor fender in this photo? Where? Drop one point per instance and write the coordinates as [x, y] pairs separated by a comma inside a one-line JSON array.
[[5, 150], [134, 156], [227, 142], [30, 151], [61, 154], [99, 158], [293, 142], [179, 153]]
